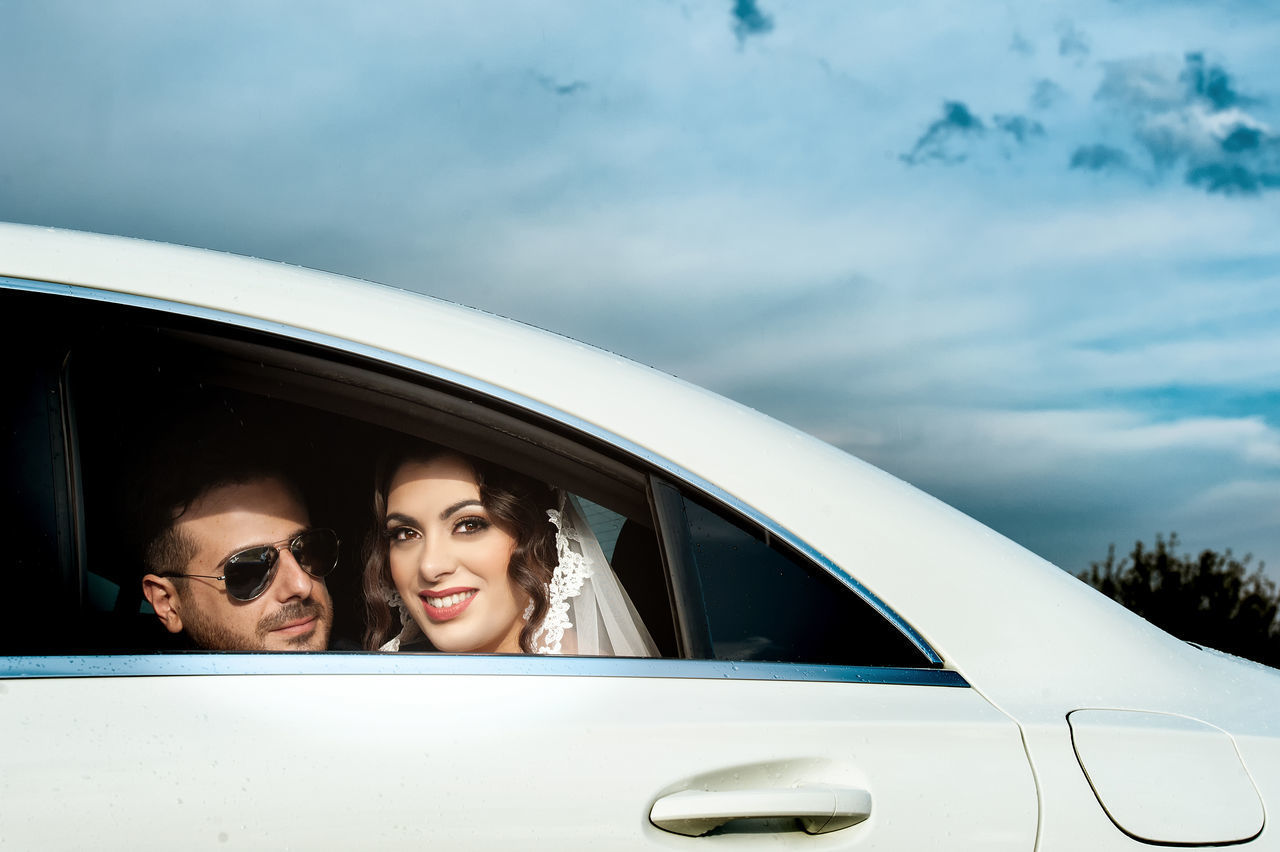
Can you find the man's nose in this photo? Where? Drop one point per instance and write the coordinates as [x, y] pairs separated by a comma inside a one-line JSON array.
[[291, 580]]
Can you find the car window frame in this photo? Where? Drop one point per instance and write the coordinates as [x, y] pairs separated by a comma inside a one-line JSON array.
[[665, 480]]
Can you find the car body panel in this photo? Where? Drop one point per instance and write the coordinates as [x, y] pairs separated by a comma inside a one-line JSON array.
[[489, 762]]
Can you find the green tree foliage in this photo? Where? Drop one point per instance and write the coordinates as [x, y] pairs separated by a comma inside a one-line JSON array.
[[1211, 599]]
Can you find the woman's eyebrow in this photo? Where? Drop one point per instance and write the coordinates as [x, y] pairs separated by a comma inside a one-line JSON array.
[[401, 518], [461, 504]]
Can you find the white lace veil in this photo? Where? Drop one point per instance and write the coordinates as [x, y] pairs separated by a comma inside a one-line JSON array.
[[588, 611]]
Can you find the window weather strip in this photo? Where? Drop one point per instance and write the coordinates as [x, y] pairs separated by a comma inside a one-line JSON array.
[[501, 394], [189, 664]]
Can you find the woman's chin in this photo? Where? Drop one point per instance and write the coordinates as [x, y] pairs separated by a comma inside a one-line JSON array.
[[448, 639], [452, 643]]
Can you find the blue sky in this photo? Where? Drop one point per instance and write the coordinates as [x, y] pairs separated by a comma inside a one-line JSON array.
[[1024, 256]]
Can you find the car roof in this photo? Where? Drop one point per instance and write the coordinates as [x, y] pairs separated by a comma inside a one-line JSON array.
[[991, 608]]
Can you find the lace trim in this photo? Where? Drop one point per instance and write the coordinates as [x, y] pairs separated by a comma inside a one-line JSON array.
[[572, 570], [408, 627]]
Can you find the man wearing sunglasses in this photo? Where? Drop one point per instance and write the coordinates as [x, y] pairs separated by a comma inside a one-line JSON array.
[[238, 567]]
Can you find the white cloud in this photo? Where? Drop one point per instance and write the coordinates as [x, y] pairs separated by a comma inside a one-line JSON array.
[[946, 444], [1227, 502], [1242, 514], [1067, 483]]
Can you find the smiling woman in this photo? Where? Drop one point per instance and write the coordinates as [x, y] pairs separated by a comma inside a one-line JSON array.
[[478, 558], [460, 544], [469, 560]]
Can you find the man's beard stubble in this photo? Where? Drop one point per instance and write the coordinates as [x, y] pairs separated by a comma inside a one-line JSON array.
[[213, 635]]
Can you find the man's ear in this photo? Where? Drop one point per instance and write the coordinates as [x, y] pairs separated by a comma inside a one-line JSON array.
[[163, 597]]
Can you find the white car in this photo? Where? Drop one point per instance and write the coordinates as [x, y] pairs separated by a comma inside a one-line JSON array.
[[847, 663]]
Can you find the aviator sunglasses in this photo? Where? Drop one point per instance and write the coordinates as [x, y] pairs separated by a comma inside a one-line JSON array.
[[249, 572]]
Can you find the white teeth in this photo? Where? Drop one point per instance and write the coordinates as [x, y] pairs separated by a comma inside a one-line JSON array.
[[449, 600]]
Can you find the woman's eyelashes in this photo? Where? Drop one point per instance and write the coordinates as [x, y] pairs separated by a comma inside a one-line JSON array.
[[470, 525], [400, 534]]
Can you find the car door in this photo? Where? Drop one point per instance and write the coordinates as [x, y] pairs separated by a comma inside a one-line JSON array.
[[338, 751], [793, 709]]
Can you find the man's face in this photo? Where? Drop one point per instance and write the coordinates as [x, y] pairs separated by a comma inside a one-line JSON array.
[[295, 613]]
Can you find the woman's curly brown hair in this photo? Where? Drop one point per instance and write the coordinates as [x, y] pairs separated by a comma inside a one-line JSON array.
[[516, 503]]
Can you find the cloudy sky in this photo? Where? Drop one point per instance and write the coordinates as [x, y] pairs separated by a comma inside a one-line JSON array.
[[1024, 255]]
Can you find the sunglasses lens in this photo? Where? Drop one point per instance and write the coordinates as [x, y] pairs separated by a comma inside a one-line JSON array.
[[248, 570], [316, 551]]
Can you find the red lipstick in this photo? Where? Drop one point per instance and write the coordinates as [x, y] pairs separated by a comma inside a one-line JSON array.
[[458, 599]]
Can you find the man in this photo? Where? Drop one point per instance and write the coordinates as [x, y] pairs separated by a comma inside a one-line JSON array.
[[235, 566]]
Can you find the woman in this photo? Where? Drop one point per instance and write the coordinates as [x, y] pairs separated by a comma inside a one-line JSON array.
[[477, 558]]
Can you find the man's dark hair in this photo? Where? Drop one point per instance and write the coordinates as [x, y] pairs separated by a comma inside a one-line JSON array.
[[167, 550], [187, 467]]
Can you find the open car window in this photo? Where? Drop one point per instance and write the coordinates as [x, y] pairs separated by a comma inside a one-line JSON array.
[[109, 384]]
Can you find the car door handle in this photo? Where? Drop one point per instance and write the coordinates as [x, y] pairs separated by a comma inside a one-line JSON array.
[[819, 809]]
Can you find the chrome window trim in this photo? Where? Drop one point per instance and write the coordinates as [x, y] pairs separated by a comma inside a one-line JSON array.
[[501, 394], [186, 664]]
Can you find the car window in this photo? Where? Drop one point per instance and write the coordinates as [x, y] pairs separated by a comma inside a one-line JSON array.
[[130, 385], [764, 603]]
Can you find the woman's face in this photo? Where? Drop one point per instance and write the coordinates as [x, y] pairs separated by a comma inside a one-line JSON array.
[[449, 560]]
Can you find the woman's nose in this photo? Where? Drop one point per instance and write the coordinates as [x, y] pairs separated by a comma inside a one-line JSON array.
[[436, 561]]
